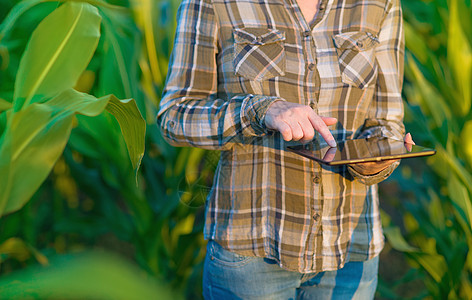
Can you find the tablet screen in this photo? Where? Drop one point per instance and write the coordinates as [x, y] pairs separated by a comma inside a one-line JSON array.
[[360, 150]]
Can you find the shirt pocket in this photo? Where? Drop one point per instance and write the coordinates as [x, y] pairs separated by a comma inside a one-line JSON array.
[[259, 53], [356, 55]]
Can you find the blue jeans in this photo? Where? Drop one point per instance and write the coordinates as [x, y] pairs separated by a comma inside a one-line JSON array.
[[227, 275]]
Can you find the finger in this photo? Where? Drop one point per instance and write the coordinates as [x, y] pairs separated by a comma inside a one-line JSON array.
[[297, 132], [285, 130], [369, 168], [409, 139], [320, 126], [329, 121], [408, 147], [409, 142], [307, 128]]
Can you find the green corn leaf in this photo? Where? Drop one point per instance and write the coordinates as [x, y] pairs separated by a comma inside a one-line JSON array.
[[4, 105], [397, 241], [21, 251], [466, 141], [460, 59], [132, 126], [21, 7], [84, 276], [14, 14], [434, 264], [3, 124], [119, 70], [100, 138], [415, 44], [459, 194], [35, 137], [455, 166], [145, 15], [192, 167], [31, 144], [436, 211], [430, 99], [394, 235], [59, 50], [77, 102], [88, 132]]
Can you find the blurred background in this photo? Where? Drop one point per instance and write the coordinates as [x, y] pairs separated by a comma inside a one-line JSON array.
[[88, 230]]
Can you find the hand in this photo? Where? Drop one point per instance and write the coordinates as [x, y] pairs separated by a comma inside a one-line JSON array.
[[298, 122], [371, 168]]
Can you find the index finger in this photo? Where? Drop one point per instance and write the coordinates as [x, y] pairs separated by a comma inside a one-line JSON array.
[[320, 126]]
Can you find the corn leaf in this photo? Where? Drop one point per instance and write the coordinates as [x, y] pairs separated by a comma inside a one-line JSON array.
[[459, 194], [132, 126], [434, 264], [91, 131], [455, 166], [397, 241], [119, 72], [4, 105], [14, 14], [460, 59], [100, 138], [85, 276], [21, 251], [21, 7], [430, 99], [466, 141], [59, 50], [415, 44], [145, 16], [30, 145], [35, 137]]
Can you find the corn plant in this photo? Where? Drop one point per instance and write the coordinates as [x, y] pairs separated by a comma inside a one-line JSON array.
[[91, 198], [37, 126], [438, 91]]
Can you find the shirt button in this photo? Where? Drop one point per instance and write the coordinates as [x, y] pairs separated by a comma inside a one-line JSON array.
[[316, 179], [307, 33], [171, 124], [311, 67], [316, 216], [360, 44]]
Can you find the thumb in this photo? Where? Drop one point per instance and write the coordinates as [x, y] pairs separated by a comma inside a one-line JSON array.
[[409, 139]]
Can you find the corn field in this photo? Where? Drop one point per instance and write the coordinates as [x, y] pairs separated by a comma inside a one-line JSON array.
[[95, 205]]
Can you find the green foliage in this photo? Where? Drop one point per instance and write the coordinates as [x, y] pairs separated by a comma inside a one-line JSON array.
[[86, 276], [62, 119], [46, 67], [37, 128], [437, 218], [91, 199], [15, 247]]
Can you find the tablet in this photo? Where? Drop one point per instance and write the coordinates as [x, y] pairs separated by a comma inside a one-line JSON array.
[[360, 150]]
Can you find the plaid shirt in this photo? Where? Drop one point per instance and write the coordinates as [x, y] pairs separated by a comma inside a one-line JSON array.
[[231, 60]]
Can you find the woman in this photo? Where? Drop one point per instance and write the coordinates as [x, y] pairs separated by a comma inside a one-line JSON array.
[[250, 77]]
